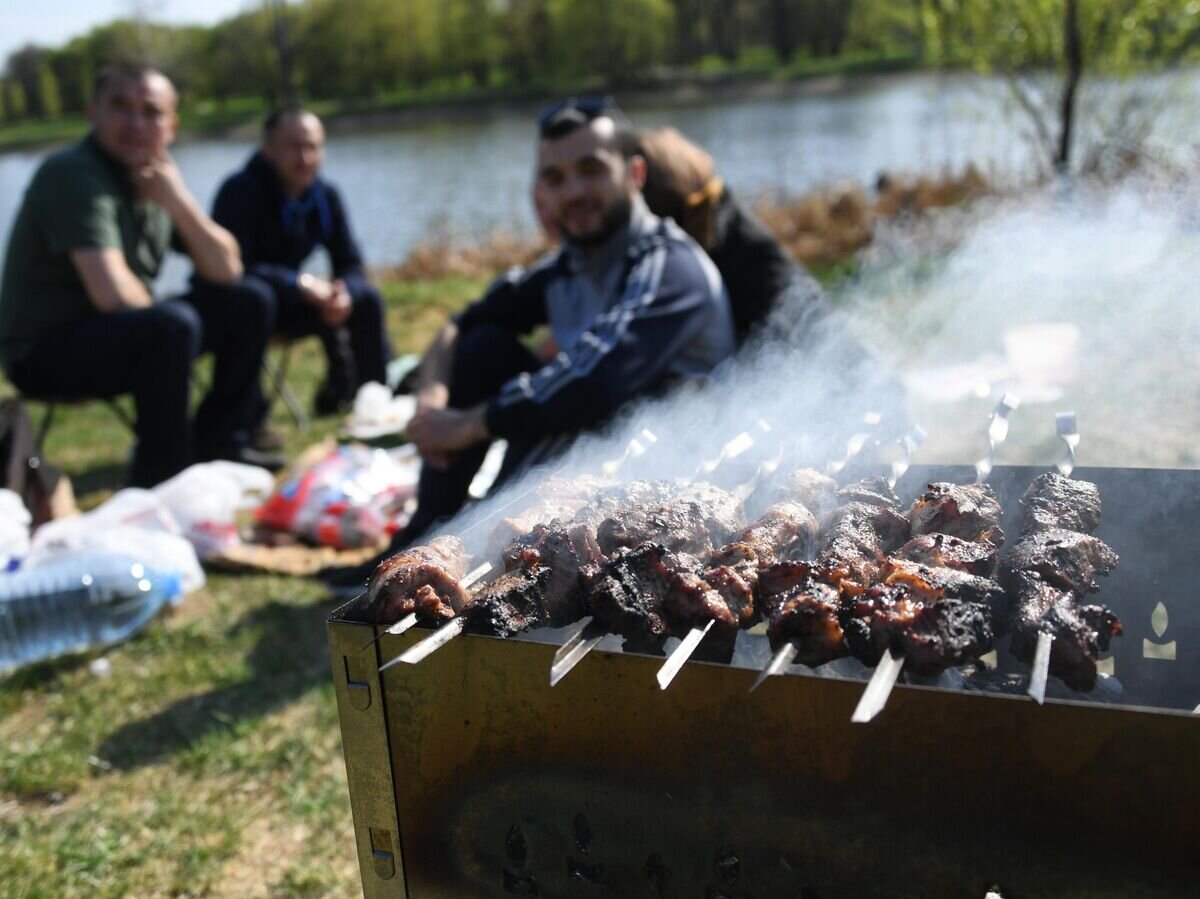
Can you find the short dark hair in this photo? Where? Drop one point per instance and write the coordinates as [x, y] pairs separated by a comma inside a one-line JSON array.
[[275, 119], [563, 117], [122, 71]]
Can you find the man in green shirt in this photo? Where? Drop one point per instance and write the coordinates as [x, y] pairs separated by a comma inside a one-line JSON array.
[[77, 315]]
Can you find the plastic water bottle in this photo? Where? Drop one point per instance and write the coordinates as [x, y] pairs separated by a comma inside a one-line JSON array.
[[76, 603]]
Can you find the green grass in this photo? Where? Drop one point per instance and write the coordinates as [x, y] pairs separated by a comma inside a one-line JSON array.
[[209, 762]]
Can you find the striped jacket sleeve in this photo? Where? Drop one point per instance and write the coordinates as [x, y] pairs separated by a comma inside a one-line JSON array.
[[666, 302]]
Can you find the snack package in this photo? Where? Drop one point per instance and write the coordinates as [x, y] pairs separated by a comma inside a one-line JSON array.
[[351, 496]]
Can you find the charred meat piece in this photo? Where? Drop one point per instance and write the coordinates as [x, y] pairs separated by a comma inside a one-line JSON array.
[[694, 526], [785, 530], [512, 603], [625, 595], [969, 511], [1080, 632], [1053, 502], [815, 491], [563, 549], [857, 539], [931, 634], [802, 608], [1067, 560], [932, 584], [648, 593], [875, 491], [733, 572], [976, 557], [431, 571]]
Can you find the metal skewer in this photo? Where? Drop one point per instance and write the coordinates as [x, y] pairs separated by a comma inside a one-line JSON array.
[[879, 688], [1068, 431], [411, 618], [855, 444], [430, 644], [997, 433], [587, 634], [1041, 667], [682, 653], [781, 660]]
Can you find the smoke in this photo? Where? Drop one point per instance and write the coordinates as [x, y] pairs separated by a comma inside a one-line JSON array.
[[1073, 299]]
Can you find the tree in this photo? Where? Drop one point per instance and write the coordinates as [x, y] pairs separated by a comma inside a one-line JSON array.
[[1046, 48]]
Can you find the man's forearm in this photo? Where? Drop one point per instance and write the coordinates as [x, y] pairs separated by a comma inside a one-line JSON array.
[[434, 384], [214, 251]]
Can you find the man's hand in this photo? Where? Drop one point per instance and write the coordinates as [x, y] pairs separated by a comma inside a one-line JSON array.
[[437, 432], [332, 298], [160, 182]]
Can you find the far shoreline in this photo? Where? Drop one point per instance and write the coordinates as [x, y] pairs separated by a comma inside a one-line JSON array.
[[354, 118]]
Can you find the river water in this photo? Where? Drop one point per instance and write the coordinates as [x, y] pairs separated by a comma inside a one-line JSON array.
[[469, 177]]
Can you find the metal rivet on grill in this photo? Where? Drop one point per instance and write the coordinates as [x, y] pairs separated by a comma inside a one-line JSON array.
[[657, 874], [727, 865], [583, 833], [588, 873], [515, 847], [519, 884]]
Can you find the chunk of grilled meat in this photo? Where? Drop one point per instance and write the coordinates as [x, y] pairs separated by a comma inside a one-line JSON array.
[[512, 603], [815, 491], [976, 557], [801, 607], [694, 526], [786, 530], [563, 548], [1081, 632], [647, 593], [969, 511], [1053, 502], [1067, 560], [873, 491], [931, 634], [431, 572], [857, 539], [933, 583]]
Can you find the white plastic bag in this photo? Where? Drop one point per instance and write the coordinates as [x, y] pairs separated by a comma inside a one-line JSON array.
[[205, 499], [132, 523], [14, 528]]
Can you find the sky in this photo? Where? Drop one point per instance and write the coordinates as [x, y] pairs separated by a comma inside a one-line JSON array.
[[53, 24]]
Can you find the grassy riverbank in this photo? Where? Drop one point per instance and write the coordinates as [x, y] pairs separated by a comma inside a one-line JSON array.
[[209, 762]]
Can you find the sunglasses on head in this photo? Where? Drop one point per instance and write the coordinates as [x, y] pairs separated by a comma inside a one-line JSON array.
[[589, 106]]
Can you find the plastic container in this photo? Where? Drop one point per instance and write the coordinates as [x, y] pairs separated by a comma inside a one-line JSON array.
[[78, 602]]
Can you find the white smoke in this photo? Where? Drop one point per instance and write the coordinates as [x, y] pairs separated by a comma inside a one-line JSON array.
[[1076, 299]]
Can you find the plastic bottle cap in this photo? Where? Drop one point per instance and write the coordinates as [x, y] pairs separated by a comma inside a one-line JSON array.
[[172, 585]]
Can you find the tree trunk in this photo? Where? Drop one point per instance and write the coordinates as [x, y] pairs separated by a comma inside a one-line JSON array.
[[1073, 50]]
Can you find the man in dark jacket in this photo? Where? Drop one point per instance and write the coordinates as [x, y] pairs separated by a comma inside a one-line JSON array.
[[632, 304], [280, 210]]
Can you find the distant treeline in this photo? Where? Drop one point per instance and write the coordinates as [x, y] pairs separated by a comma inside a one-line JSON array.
[[377, 50]]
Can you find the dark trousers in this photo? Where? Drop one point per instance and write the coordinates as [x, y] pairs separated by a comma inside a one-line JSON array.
[[149, 353], [485, 358], [358, 351]]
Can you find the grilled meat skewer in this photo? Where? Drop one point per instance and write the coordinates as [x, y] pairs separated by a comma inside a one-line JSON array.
[[431, 571], [969, 511], [1050, 570]]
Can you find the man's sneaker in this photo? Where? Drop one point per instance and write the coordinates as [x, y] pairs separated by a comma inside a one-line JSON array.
[[266, 438]]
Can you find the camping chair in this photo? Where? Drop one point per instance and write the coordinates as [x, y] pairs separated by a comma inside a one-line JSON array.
[[276, 373], [51, 404]]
